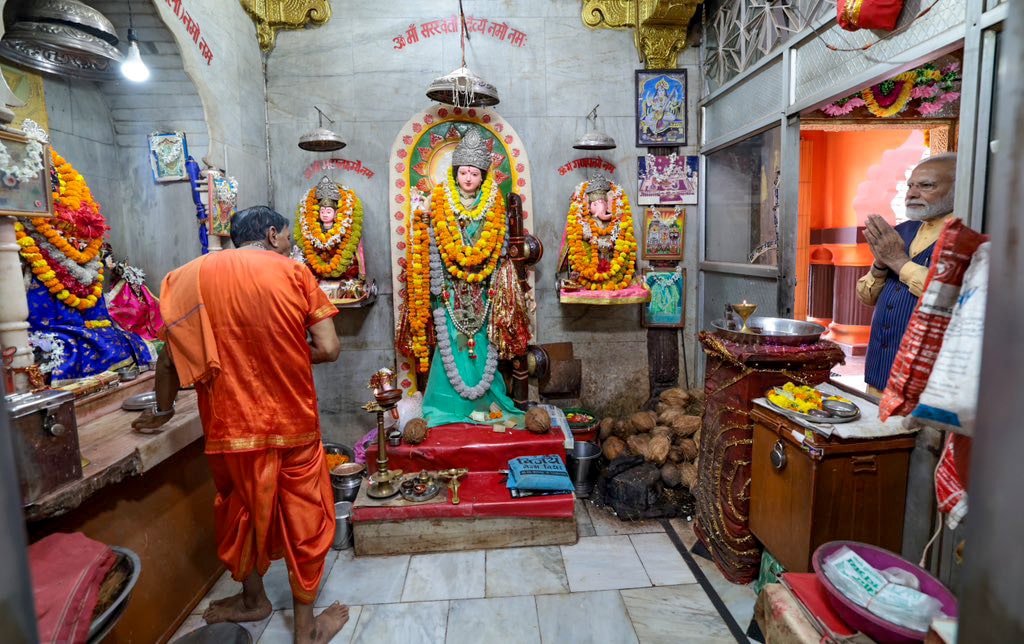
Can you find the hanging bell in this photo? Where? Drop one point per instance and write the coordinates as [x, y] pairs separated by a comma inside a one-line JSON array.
[[594, 139], [321, 139]]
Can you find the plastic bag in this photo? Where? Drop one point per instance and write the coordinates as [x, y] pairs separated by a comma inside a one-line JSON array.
[[539, 473], [949, 400], [862, 584]]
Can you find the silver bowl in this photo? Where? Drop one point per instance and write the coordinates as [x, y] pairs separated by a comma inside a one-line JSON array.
[[777, 331]]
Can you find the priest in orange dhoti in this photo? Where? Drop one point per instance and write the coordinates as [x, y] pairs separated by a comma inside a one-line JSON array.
[[236, 328]]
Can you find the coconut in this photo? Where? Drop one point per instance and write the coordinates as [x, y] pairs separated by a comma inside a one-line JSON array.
[[670, 475], [688, 475], [638, 444], [658, 448], [415, 431], [674, 397], [661, 408], [606, 428], [613, 448], [670, 415], [661, 430], [689, 449], [643, 421], [675, 454], [686, 426], [538, 420]]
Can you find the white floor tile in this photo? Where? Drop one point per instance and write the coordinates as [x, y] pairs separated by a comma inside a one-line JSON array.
[[225, 587], [662, 562], [445, 575], [585, 617], [281, 629], [671, 614], [584, 526], [603, 563], [738, 599], [525, 571], [502, 619], [684, 529], [606, 524], [276, 581], [416, 623], [364, 580]]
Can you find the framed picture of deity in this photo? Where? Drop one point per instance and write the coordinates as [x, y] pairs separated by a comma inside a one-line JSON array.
[[666, 180], [668, 298], [25, 175], [168, 152], [664, 233], [660, 107]]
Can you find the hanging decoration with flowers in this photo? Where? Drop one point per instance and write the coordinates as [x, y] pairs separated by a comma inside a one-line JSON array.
[[329, 247], [927, 90], [603, 256], [63, 253]]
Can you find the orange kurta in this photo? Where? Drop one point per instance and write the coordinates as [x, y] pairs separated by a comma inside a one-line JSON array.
[[237, 324]]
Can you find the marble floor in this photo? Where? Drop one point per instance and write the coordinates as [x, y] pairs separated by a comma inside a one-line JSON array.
[[622, 582]]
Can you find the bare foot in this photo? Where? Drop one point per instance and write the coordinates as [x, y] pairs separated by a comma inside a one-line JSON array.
[[235, 609], [325, 625]]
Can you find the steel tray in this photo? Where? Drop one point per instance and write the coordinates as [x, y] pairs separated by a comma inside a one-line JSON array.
[[777, 331]]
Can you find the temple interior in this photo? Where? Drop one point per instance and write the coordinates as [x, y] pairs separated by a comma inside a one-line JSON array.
[[536, 321]]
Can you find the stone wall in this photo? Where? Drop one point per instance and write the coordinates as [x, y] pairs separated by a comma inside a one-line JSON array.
[[351, 68]]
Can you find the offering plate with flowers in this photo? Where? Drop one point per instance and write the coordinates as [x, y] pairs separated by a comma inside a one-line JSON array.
[[811, 404]]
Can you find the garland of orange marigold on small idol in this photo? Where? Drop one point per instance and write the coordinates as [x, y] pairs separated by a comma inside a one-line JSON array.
[[70, 270], [482, 262], [329, 254], [584, 256]]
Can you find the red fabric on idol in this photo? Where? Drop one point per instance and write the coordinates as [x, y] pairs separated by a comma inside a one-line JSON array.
[[67, 571], [923, 337], [868, 14]]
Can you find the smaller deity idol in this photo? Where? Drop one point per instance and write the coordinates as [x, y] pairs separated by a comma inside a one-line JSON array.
[[598, 248], [328, 231]]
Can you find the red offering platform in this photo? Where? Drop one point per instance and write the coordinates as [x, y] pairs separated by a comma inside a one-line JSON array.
[[486, 517], [478, 448]]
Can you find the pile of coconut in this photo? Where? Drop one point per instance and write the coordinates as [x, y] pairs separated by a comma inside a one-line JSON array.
[[669, 436]]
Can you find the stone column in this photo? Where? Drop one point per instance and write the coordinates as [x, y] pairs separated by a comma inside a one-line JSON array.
[[14, 312]]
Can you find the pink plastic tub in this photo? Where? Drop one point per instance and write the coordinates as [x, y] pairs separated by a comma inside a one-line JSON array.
[[862, 619]]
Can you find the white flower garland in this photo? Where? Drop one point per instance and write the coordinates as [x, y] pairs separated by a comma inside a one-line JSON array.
[[460, 212], [26, 169], [51, 346], [444, 345], [86, 274]]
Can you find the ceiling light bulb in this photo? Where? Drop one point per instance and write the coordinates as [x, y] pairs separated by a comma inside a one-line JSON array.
[[133, 68]]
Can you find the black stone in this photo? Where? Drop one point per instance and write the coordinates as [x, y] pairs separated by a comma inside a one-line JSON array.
[[633, 490]]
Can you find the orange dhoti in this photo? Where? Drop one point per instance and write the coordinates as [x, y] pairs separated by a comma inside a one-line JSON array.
[[274, 503]]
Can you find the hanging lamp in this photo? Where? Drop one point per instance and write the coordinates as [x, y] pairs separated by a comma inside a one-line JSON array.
[[594, 139], [463, 88], [321, 139], [132, 67]]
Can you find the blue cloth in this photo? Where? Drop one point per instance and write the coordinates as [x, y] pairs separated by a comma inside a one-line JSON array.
[[892, 313], [87, 352]]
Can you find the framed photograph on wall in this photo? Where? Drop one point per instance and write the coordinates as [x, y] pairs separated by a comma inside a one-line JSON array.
[[168, 152], [660, 107], [664, 233], [25, 177], [668, 298], [666, 180]]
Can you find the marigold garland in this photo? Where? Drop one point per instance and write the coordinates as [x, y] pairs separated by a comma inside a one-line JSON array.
[[417, 284], [583, 255], [469, 262], [79, 215], [329, 254], [893, 105]]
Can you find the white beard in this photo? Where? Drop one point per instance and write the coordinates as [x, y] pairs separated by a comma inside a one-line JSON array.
[[931, 211]]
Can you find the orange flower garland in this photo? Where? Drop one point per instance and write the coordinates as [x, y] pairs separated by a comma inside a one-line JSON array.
[[583, 256], [329, 254], [473, 263], [78, 213], [417, 284]]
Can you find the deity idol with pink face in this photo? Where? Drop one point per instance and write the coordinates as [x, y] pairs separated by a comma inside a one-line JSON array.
[[328, 238]]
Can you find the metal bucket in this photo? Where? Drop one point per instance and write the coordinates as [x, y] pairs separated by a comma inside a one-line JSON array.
[[342, 526], [583, 467], [347, 481]]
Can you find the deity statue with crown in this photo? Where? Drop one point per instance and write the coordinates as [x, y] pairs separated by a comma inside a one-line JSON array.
[[328, 239], [598, 255], [463, 294]]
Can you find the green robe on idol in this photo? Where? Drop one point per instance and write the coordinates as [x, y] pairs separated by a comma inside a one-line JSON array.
[[442, 405]]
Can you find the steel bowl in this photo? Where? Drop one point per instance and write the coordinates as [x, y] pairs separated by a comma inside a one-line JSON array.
[[767, 330], [139, 402]]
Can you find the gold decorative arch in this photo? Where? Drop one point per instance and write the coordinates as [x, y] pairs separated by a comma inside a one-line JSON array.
[[271, 15], [659, 26]]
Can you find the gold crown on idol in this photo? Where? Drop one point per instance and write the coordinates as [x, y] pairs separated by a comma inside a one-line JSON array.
[[472, 150], [327, 190], [661, 84]]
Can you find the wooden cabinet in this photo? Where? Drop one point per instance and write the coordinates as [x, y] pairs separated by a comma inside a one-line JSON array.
[[806, 493]]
